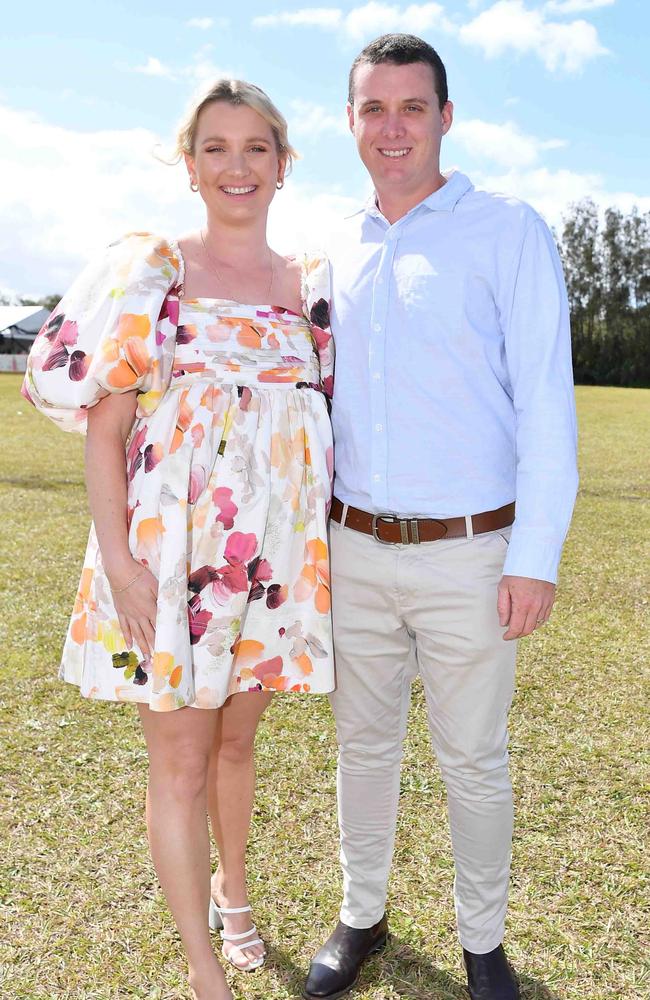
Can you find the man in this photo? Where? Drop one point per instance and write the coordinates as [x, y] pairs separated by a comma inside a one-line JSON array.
[[453, 398]]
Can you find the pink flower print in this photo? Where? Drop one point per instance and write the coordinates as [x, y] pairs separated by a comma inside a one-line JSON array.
[[259, 573], [198, 435], [268, 669], [186, 334], [218, 332], [57, 357], [232, 580], [153, 454], [321, 338], [68, 333], [222, 498], [276, 595], [79, 365], [240, 547], [259, 569], [198, 480], [169, 310], [201, 577], [198, 619], [134, 455]]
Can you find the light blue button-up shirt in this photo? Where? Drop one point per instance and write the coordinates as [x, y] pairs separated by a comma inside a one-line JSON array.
[[453, 390]]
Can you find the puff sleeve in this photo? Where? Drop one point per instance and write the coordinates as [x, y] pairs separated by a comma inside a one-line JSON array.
[[316, 294], [113, 331]]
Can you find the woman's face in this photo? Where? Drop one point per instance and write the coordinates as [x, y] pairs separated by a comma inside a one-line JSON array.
[[235, 162]]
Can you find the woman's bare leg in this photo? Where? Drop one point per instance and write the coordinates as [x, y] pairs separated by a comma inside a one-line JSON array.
[[231, 791], [179, 745]]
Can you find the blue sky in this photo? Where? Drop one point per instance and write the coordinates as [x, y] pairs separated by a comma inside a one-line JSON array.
[[550, 99]]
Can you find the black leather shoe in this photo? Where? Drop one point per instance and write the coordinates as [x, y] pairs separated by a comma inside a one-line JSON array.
[[489, 977], [335, 968]]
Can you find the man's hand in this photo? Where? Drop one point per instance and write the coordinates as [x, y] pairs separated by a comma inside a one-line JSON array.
[[524, 604]]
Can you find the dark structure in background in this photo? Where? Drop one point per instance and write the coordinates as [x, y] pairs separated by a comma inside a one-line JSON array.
[[18, 327]]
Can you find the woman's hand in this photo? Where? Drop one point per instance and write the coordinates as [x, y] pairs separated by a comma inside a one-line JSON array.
[[136, 604]]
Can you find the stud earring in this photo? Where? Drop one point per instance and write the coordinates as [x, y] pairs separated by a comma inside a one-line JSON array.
[[280, 183]]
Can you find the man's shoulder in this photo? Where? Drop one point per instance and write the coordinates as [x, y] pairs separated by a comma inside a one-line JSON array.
[[504, 210]]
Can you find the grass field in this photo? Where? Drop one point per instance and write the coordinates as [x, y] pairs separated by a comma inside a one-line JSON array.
[[82, 915]]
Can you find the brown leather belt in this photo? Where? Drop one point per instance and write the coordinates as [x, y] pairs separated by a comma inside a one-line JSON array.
[[393, 530]]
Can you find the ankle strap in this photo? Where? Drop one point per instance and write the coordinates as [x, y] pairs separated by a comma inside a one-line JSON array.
[[240, 937], [234, 909]]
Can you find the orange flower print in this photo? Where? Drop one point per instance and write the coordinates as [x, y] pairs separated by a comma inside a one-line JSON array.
[[132, 325], [149, 536], [314, 579], [82, 606]]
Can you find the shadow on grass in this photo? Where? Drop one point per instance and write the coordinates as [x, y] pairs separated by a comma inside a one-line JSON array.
[[408, 974]]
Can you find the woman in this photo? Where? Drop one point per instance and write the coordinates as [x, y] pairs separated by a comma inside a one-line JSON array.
[[208, 466]]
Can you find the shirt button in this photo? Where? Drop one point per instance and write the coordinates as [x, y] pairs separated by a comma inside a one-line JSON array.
[[379, 427], [380, 281], [376, 376], [376, 477], [377, 327]]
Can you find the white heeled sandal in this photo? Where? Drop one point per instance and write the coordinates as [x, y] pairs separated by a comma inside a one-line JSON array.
[[215, 920]]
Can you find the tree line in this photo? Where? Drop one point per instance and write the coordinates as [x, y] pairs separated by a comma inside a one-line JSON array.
[[606, 261]]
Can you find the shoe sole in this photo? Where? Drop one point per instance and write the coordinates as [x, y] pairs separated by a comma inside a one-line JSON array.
[[379, 946]]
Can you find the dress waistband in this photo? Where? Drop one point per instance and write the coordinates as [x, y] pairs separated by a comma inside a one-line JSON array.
[[235, 373]]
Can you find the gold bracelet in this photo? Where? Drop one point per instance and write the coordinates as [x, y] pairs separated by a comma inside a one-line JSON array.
[[122, 589]]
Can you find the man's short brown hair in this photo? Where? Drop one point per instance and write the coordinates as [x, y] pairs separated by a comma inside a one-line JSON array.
[[402, 50]]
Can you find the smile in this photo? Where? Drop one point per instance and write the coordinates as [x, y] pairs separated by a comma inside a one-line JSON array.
[[240, 190], [395, 153]]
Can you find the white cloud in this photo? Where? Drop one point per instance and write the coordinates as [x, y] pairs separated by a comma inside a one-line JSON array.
[[503, 144], [378, 18], [373, 18], [576, 6], [313, 120], [316, 17], [154, 67], [200, 22], [509, 24], [64, 194], [205, 23], [306, 217], [551, 192], [199, 71]]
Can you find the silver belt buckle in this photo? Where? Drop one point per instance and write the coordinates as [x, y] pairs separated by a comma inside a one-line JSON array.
[[403, 528], [388, 518]]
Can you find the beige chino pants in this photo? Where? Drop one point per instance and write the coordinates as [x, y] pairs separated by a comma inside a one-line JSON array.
[[439, 597]]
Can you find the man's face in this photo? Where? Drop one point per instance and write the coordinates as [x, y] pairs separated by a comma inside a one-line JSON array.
[[398, 125]]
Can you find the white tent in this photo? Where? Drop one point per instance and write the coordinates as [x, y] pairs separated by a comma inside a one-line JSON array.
[[18, 328], [21, 322]]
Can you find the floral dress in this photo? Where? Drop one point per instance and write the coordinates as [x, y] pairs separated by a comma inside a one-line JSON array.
[[229, 466]]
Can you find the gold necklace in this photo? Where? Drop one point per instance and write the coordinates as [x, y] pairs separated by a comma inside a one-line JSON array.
[[232, 297]]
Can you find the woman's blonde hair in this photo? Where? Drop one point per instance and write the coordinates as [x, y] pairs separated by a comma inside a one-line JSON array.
[[235, 92]]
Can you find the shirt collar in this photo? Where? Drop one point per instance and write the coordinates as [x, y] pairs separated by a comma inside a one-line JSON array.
[[444, 199]]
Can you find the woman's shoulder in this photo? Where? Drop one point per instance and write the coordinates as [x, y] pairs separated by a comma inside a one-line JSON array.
[[156, 251], [137, 263]]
